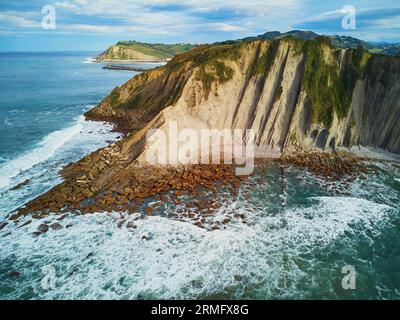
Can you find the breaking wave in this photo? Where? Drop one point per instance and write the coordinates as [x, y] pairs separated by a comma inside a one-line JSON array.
[[46, 148], [271, 256]]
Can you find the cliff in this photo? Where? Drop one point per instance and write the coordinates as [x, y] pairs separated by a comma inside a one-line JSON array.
[[294, 94], [138, 51], [300, 97]]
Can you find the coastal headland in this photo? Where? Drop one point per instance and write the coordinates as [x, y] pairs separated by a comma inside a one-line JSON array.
[[308, 102]]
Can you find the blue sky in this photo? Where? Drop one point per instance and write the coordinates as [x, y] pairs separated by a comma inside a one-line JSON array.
[[93, 25]]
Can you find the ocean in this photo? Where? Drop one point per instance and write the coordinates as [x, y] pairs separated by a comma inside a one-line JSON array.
[[295, 238]]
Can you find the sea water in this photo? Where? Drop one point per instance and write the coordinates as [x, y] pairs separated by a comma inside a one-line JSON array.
[[297, 235], [42, 100]]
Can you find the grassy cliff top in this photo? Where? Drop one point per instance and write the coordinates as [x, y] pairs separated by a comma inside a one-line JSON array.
[[154, 50], [329, 74], [344, 42]]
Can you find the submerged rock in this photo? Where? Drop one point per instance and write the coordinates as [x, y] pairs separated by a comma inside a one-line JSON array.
[[22, 184], [43, 228], [25, 223], [14, 274], [121, 223], [131, 225], [145, 236], [3, 225], [56, 226]]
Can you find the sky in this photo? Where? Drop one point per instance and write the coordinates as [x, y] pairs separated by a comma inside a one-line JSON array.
[[94, 25]]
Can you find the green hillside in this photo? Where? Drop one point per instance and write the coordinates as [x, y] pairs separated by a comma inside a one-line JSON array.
[[133, 50], [345, 42]]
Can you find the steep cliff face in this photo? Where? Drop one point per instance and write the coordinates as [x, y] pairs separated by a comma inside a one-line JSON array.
[[294, 94]]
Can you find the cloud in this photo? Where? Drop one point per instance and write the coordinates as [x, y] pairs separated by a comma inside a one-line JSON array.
[[101, 29], [66, 5], [193, 10], [196, 20], [366, 18], [9, 21], [225, 27], [163, 15]]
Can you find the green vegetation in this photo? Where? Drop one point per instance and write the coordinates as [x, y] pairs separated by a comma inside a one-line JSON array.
[[216, 71], [265, 61], [378, 70], [392, 49], [114, 96], [156, 50], [344, 42], [329, 88], [212, 65], [329, 85]]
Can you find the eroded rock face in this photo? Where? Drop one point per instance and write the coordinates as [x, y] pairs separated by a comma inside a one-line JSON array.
[[294, 94]]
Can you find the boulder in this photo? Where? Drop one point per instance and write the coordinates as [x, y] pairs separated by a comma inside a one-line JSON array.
[[149, 210], [87, 193]]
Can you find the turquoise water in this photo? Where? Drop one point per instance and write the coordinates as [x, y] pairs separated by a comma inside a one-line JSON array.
[[289, 238]]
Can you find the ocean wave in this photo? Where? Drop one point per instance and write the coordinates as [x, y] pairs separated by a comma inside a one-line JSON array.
[[46, 148], [7, 122], [44, 175], [277, 257]]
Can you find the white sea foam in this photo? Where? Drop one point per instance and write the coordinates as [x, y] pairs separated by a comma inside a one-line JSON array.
[[45, 149], [8, 122], [44, 175], [89, 60], [261, 259]]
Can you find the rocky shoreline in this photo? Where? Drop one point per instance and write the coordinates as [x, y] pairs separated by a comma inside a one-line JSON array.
[[104, 181]]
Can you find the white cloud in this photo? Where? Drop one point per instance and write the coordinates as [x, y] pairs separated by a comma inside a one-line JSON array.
[[225, 27], [66, 5], [125, 17], [102, 29], [190, 17], [18, 21], [135, 9]]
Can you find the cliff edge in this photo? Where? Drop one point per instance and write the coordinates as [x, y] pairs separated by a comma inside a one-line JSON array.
[[301, 98], [294, 94]]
